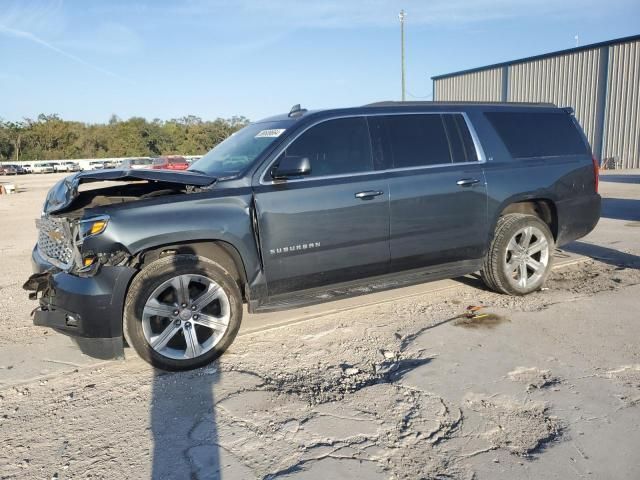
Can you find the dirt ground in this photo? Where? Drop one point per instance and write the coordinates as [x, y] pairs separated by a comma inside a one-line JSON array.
[[393, 385]]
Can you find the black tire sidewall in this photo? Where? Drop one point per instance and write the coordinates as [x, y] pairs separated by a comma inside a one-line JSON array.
[[155, 274]]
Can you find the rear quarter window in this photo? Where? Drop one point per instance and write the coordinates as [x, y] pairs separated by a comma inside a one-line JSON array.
[[532, 134], [417, 140]]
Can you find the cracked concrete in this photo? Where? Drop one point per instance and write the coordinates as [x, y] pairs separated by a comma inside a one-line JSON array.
[[533, 377], [518, 427], [373, 406]]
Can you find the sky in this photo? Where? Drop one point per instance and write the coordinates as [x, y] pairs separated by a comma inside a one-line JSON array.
[[87, 60]]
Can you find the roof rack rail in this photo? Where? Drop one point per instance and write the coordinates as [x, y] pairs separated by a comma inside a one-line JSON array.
[[392, 103]]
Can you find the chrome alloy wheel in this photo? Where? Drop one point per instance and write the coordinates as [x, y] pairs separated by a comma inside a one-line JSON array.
[[527, 257], [186, 316]]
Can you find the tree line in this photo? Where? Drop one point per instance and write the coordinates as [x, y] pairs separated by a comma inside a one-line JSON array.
[[51, 138]]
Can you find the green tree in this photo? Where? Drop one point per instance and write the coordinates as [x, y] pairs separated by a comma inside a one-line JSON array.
[[14, 133], [49, 137]]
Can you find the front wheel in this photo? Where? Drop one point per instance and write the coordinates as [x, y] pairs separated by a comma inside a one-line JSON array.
[[182, 312], [520, 256]]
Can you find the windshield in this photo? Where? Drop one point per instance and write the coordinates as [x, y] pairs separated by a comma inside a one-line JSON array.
[[238, 152]]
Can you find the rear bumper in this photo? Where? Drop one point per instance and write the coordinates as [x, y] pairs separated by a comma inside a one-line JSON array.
[[577, 217], [89, 308]]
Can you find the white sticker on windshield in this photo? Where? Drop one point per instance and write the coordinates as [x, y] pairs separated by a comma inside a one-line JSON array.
[[272, 133]]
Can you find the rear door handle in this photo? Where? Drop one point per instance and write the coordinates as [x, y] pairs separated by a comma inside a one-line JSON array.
[[368, 194], [467, 182]]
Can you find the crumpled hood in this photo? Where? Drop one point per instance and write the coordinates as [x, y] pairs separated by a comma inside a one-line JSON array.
[[65, 191]]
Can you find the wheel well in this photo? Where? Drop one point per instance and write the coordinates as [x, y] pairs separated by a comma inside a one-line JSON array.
[[221, 252], [544, 209]]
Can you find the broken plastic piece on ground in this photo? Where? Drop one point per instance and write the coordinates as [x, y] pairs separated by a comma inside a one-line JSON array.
[[471, 311]]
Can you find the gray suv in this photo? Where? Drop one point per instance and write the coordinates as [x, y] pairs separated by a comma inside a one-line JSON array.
[[303, 204]]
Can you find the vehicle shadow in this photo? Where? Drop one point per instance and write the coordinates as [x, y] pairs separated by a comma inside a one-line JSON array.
[[183, 423], [473, 280], [620, 178], [606, 255], [621, 209]]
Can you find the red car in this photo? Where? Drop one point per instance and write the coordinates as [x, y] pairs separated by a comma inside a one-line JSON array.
[[171, 162]]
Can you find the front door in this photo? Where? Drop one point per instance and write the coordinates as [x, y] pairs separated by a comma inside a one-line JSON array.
[[331, 225]]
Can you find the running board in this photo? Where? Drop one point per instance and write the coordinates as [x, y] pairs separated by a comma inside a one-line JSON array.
[[369, 285]]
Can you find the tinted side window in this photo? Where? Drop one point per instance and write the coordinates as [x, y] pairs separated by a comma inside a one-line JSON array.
[[382, 156], [335, 147], [417, 140], [531, 134], [462, 147]]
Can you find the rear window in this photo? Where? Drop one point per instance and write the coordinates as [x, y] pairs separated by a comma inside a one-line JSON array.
[[460, 141], [417, 140], [531, 134]]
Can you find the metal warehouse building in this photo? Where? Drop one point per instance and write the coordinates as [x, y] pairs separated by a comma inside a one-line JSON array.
[[600, 81]]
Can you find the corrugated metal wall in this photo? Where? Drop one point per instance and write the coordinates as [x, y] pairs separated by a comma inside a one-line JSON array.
[[484, 86], [567, 80], [602, 84], [622, 117]]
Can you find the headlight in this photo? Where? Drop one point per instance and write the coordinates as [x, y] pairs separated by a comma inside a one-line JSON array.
[[93, 226]]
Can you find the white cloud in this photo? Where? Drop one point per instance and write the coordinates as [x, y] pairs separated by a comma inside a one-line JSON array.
[[22, 34], [39, 21], [109, 38], [295, 14]]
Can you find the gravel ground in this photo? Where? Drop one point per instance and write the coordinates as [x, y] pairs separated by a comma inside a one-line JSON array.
[[543, 386]]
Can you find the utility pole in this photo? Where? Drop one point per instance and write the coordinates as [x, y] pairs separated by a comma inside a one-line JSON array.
[[401, 16]]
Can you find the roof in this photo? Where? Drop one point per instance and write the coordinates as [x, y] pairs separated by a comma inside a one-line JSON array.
[[394, 106], [540, 57]]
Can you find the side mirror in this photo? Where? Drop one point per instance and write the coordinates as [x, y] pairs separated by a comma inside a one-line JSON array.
[[293, 166]]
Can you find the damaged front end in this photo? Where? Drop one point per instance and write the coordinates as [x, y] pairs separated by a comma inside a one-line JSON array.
[[82, 273], [61, 243], [70, 217]]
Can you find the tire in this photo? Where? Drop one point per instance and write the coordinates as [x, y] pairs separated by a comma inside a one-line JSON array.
[[511, 255], [182, 302]]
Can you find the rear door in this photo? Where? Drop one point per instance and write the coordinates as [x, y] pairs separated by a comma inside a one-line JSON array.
[[437, 190], [333, 225]]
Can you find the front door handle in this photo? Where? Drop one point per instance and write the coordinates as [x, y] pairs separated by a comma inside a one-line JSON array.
[[467, 182], [368, 194]]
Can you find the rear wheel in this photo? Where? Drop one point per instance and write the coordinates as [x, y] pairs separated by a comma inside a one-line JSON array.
[[520, 256], [182, 312]]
